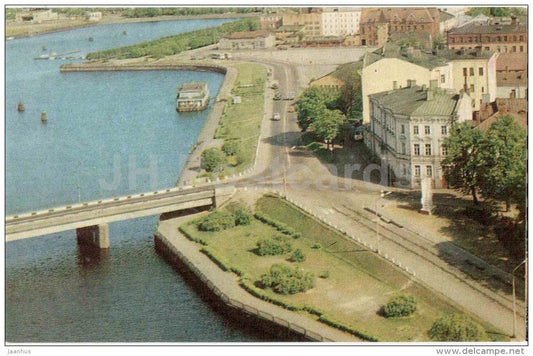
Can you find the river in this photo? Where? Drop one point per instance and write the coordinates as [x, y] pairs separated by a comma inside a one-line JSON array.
[[107, 134]]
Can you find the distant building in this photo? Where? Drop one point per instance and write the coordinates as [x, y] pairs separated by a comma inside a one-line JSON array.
[[289, 34], [270, 22], [94, 16], [377, 24], [340, 21], [493, 35], [247, 40], [311, 22], [36, 16], [407, 131]]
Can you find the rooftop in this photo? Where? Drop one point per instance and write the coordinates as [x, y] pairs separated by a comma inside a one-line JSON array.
[[399, 14], [247, 35], [412, 101], [519, 118], [511, 61], [504, 79], [488, 28]]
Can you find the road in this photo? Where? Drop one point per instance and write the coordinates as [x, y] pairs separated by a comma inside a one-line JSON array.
[[294, 172]]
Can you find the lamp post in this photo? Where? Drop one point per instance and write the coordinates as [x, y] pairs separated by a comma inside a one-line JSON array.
[[382, 194], [514, 297]]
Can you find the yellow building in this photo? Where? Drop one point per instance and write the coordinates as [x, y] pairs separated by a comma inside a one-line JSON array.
[[311, 22], [474, 72], [392, 68]]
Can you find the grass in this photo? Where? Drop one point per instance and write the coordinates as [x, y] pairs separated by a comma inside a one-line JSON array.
[[358, 284], [243, 121]]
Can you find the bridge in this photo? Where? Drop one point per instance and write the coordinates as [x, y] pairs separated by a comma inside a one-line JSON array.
[[91, 219]]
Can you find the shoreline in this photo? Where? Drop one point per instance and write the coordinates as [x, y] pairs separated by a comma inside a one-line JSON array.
[[40, 29]]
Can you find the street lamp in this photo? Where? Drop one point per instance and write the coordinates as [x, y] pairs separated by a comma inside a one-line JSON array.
[[382, 194], [514, 297]]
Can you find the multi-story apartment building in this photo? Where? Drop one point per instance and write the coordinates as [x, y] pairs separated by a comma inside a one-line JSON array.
[[377, 24], [270, 22], [311, 22], [408, 127], [247, 40], [492, 35], [340, 21], [391, 68]]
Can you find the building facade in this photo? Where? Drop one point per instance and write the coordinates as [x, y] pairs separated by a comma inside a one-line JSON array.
[[310, 22], [247, 40], [470, 71], [395, 20], [339, 21], [492, 35], [407, 131]]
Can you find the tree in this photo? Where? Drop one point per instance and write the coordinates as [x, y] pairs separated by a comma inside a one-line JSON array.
[[328, 124], [505, 156], [457, 327], [212, 159], [463, 166]]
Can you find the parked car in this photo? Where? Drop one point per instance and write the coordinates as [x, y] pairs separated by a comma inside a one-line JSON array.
[[276, 116]]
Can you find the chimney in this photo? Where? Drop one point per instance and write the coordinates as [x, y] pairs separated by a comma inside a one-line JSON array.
[[430, 95]]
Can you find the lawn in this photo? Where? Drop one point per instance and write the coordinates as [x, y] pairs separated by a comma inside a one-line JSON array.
[[242, 121], [358, 281]]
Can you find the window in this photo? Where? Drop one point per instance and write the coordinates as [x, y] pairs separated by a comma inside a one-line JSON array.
[[415, 129], [514, 48], [404, 150], [444, 129], [417, 171], [480, 71], [443, 78], [521, 48], [427, 130], [482, 89], [403, 129], [444, 151], [465, 72], [429, 171], [472, 88], [417, 149], [428, 149], [471, 71]]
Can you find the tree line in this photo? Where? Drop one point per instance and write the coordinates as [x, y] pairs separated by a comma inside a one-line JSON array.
[[170, 45]]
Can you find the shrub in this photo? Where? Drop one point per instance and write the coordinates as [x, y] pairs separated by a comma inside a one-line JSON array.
[[285, 280], [324, 274], [242, 217], [456, 327], [213, 159], [277, 245], [217, 221], [297, 256], [398, 306], [231, 147], [317, 246]]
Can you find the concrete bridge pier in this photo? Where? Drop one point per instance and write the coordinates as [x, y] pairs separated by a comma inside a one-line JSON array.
[[94, 235]]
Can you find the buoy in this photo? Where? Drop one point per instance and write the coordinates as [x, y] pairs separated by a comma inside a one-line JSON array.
[[44, 117], [20, 107]]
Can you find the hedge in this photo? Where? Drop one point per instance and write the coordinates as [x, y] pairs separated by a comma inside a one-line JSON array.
[[344, 327], [190, 237], [281, 227]]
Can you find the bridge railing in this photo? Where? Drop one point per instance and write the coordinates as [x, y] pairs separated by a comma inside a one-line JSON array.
[[131, 197]]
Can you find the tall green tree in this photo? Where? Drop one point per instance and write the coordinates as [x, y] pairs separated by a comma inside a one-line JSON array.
[[313, 101], [505, 155], [328, 124], [464, 166]]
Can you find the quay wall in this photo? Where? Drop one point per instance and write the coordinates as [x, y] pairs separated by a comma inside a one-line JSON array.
[[89, 67]]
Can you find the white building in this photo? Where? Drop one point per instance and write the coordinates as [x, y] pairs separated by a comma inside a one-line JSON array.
[[407, 130], [340, 21]]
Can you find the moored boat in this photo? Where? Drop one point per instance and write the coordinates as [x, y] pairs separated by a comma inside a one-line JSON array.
[[193, 96]]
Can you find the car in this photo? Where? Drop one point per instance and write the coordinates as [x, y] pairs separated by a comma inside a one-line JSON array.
[[291, 108], [276, 116]]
